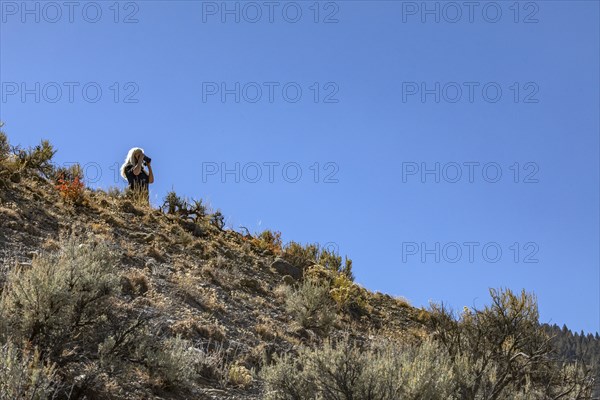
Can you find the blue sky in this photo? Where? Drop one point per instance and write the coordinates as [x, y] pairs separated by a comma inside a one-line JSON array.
[[324, 117]]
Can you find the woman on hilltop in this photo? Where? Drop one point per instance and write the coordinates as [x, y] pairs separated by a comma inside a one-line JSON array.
[[133, 170]]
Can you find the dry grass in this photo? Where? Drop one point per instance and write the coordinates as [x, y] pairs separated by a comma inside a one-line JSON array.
[[9, 213], [402, 302], [195, 294], [135, 283], [280, 292], [217, 275], [266, 330], [99, 228], [240, 376], [155, 253], [252, 285], [194, 328], [213, 331], [50, 245]]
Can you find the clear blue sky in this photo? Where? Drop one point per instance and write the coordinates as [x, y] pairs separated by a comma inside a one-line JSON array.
[[371, 123]]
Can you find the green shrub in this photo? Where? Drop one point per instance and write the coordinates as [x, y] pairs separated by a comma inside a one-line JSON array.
[[24, 376], [502, 352], [311, 306], [344, 370], [288, 378], [4, 145], [175, 360], [217, 220], [333, 262], [300, 256], [348, 296], [7, 167], [121, 341], [497, 353], [52, 302], [68, 173], [196, 211], [269, 240], [173, 204], [310, 254], [346, 270], [37, 158], [329, 260], [179, 362], [192, 210]]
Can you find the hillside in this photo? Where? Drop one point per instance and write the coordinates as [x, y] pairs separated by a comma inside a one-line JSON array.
[[106, 297]]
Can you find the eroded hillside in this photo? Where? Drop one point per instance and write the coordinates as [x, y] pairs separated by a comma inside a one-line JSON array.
[[104, 297], [217, 288]]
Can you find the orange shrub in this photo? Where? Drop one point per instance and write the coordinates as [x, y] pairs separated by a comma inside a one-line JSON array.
[[70, 189]]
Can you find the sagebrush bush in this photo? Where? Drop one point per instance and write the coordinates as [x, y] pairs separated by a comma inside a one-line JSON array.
[[23, 375], [175, 360], [119, 344], [498, 353], [52, 301], [502, 351], [287, 378], [311, 306], [179, 362], [344, 370]]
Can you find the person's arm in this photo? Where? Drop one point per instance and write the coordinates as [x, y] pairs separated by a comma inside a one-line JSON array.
[[150, 174], [138, 167]]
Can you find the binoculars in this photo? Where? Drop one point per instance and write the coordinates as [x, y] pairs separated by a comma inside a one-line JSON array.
[[147, 159]]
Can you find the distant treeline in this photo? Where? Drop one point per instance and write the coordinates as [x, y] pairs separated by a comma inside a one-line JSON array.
[[572, 347]]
